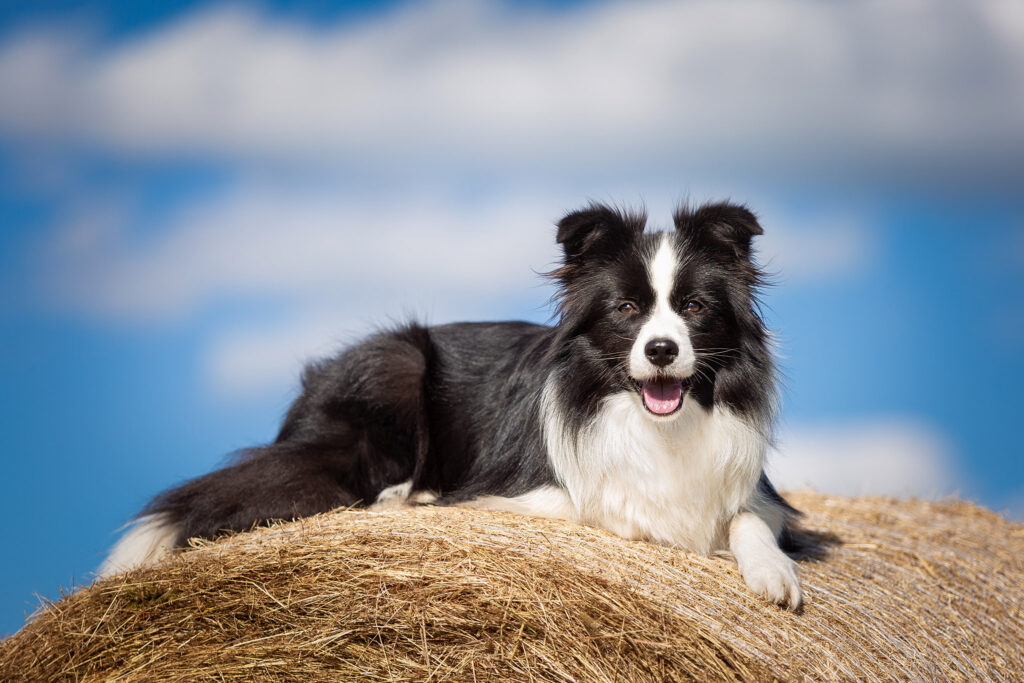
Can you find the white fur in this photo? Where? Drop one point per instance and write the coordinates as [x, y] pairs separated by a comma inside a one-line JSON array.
[[422, 498], [401, 495], [545, 501], [664, 322], [150, 539], [677, 482], [764, 567], [393, 496], [690, 482]]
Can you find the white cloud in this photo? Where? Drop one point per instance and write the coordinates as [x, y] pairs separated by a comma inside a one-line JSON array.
[[891, 456], [801, 249], [305, 248], [266, 360], [321, 250], [697, 85]]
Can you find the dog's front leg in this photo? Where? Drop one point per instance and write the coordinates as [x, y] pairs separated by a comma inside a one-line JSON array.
[[765, 568]]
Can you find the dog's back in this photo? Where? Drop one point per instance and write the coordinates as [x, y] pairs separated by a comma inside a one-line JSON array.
[[449, 409]]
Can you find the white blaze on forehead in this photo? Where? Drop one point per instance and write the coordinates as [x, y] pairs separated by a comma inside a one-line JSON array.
[[664, 322], [662, 271]]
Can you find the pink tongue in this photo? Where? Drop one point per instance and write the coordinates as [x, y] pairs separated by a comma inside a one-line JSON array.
[[662, 396]]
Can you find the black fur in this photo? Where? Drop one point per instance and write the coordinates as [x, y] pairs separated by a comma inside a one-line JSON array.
[[456, 408]]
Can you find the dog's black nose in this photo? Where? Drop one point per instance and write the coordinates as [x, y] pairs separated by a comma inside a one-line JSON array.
[[661, 352]]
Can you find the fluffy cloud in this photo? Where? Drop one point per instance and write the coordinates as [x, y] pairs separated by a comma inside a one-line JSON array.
[[892, 456], [311, 248], [705, 85], [305, 248], [801, 249]]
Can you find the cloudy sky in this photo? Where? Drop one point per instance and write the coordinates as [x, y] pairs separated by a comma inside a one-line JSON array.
[[197, 197]]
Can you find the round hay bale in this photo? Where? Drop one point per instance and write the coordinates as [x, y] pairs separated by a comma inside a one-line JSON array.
[[895, 590]]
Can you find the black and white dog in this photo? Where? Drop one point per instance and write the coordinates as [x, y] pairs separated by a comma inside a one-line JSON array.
[[646, 410]]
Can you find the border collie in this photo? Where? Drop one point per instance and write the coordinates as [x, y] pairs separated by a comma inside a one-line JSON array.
[[646, 410]]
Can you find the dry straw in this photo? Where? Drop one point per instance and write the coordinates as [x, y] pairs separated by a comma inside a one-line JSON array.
[[895, 590]]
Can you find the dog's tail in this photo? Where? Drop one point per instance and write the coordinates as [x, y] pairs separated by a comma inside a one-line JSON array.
[[357, 429], [150, 539]]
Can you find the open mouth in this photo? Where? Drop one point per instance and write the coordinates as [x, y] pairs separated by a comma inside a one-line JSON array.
[[663, 395]]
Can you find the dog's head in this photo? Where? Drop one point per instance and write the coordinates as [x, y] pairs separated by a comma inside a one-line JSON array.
[[665, 315]]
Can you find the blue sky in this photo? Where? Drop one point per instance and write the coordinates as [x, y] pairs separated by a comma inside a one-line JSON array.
[[196, 197]]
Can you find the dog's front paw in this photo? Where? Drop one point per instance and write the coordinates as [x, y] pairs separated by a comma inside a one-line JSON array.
[[765, 568], [773, 577]]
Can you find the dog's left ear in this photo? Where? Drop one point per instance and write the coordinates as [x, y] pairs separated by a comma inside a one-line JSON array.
[[722, 227], [595, 230]]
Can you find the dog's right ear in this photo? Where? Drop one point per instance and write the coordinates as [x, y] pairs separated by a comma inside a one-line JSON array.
[[596, 234], [596, 230]]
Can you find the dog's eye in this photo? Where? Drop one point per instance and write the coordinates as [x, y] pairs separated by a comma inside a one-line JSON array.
[[628, 307], [694, 307]]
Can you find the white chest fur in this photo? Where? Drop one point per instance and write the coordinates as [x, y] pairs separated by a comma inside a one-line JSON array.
[[677, 481]]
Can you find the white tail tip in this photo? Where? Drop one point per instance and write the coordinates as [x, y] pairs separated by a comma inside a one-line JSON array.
[[148, 540]]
